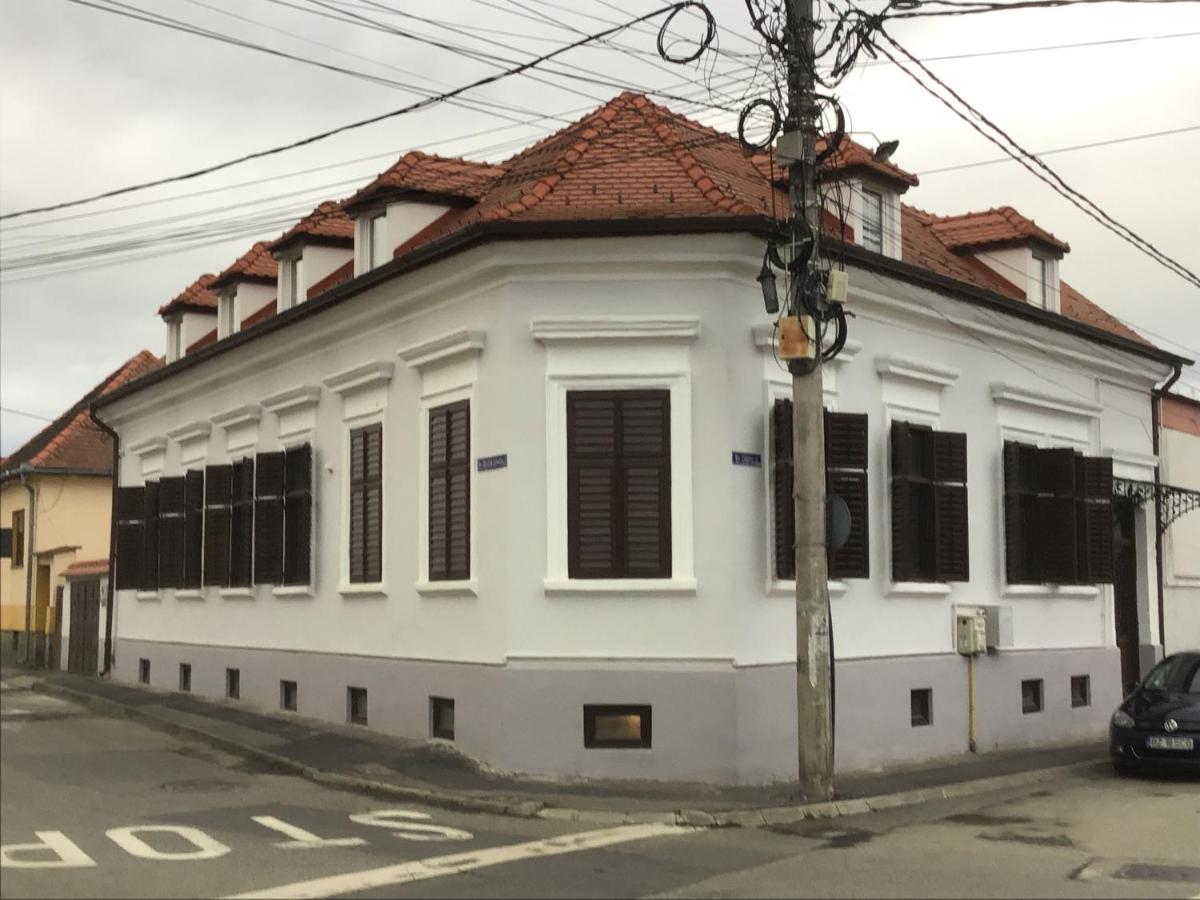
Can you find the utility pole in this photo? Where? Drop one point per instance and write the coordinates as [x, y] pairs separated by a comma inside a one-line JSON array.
[[814, 700]]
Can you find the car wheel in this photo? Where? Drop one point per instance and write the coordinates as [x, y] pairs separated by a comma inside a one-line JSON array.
[[1124, 768]]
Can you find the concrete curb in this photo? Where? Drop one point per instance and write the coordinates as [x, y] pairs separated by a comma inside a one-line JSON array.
[[762, 817]]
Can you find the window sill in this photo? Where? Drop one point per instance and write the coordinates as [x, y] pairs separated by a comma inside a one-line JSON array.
[[918, 589], [292, 590], [365, 590], [1048, 591], [146, 595], [468, 588], [189, 594], [237, 593], [837, 588], [645, 586]]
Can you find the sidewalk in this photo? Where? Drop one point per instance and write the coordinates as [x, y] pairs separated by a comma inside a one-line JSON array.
[[359, 759]]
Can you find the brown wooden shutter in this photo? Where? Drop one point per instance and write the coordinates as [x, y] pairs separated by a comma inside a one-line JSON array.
[[1095, 520], [130, 537], [149, 579], [218, 485], [952, 555], [450, 492], [241, 525], [268, 518], [846, 476], [171, 524], [366, 504], [1018, 512], [298, 511], [905, 532], [1055, 534], [782, 485], [619, 484], [193, 529]]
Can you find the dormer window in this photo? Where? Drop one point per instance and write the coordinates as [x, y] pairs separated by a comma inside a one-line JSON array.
[[377, 236], [227, 314], [174, 340], [1039, 279], [295, 279], [872, 221]]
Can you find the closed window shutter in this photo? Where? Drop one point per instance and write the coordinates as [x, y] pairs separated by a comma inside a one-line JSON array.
[[450, 492], [298, 510], [217, 501], [1018, 512], [366, 504], [1056, 533], [846, 476], [149, 579], [905, 531], [171, 527], [952, 557], [129, 512], [268, 518], [782, 481], [193, 529], [1095, 520], [241, 527], [619, 484]]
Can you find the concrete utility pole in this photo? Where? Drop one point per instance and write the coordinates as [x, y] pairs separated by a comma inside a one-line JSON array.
[[814, 700]]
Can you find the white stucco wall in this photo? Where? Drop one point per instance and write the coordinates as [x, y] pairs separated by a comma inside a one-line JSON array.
[[1010, 377]]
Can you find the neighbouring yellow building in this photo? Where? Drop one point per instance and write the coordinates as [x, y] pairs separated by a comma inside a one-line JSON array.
[[55, 515]]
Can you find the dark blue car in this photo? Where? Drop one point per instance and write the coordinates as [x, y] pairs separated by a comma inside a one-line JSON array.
[[1159, 723]]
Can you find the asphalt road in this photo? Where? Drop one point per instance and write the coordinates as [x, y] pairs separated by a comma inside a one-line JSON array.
[[99, 807]]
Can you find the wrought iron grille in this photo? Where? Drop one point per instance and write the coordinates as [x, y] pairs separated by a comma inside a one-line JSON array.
[[1173, 501]]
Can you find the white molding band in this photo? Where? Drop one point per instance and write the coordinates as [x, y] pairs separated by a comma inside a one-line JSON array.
[[447, 348], [623, 328], [1003, 392], [239, 415], [376, 373], [913, 369]]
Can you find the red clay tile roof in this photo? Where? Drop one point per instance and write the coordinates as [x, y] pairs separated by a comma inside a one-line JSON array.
[[342, 273], [86, 568], [1081, 309], [438, 176], [256, 264], [327, 224], [73, 441], [1002, 225], [201, 342], [852, 155], [261, 314], [195, 296]]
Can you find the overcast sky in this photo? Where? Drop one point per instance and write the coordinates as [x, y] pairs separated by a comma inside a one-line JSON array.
[[90, 101]]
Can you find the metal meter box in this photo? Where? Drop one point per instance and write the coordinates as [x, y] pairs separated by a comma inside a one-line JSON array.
[[971, 633]]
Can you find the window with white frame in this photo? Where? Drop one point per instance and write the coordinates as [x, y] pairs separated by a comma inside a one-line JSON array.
[[377, 238], [295, 281], [227, 314], [1038, 282], [174, 340], [872, 220]]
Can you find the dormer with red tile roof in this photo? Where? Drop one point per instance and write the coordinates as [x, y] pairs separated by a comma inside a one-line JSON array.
[[246, 286], [864, 188], [320, 243], [1013, 246], [189, 316], [409, 196]]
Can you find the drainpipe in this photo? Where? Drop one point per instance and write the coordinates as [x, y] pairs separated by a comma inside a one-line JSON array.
[[1155, 415], [30, 531], [112, 540]]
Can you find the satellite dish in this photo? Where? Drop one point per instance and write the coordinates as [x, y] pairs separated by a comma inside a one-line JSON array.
[[837, 522]]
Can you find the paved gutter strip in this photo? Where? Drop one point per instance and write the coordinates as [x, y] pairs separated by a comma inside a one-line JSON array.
[[527, 809]]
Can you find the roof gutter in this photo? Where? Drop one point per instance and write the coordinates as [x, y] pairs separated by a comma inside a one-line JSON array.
[[112, 538], [30, 534], [1156, 397]]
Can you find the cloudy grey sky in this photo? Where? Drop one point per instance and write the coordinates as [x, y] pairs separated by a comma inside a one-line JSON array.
[[90, 101]]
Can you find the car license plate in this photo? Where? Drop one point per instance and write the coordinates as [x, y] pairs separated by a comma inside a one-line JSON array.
[[1170, 743]]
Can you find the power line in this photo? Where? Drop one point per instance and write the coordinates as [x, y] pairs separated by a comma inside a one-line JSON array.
[[21, 412], [1107, 143], [967, 8], [1014, 50], [311, 139], [1030, 161]]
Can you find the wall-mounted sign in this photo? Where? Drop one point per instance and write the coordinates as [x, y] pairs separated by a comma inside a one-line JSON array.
[[754, 460], [488, 463]]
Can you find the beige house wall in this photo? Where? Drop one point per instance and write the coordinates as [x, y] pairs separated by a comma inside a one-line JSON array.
[[1181, 546], [72, 519]]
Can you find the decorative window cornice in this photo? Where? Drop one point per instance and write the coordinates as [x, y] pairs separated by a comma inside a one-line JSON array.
[[908, 367], [1002, 392], [447, 348], [619, 328], [149, 447], [293, 399], [376, 373], [239, 415], [193, 431]]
